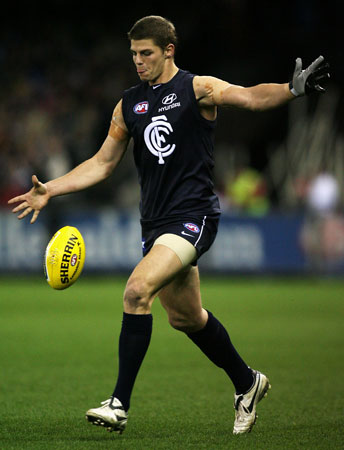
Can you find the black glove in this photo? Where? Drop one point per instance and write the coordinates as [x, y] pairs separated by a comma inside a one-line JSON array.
[[308, 80]]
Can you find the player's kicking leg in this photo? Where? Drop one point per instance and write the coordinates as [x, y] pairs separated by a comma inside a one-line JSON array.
[[182, 300]]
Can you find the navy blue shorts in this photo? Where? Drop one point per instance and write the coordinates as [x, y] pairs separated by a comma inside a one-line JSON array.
[[199, 231]]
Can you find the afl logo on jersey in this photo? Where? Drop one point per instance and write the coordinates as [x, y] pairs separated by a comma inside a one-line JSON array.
[[155, 137], [141, 108]]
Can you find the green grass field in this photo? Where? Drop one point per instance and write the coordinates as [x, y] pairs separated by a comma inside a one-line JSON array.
[[58, 359]]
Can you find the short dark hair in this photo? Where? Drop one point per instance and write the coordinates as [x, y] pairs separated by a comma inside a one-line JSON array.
[[161, 30]]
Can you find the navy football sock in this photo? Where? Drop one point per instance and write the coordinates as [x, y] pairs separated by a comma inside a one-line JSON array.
[[133, 344], [215, 343]]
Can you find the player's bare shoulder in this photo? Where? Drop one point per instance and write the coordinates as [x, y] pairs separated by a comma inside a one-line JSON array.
[[211, 92], [118, 129], [204, 93], [207, 89], [202, 87]]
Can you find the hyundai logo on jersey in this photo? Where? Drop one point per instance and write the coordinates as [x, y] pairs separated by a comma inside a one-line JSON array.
[[192, 227], [141, 108], [169, 99]]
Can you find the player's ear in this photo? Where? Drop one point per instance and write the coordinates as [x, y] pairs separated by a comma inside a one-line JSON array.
[[169, 51]]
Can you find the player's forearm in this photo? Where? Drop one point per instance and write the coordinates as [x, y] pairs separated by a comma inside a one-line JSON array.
[[87, 174], [91, 171], [256, 98], [268, 96]]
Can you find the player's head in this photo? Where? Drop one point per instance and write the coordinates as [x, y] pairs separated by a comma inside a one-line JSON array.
[[157, 28], [153, 41]]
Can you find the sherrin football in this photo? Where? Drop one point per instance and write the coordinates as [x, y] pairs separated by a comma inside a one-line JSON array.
[[64, 258]]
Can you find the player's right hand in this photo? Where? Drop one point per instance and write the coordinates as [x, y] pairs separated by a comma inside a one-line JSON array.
[[34, 200]]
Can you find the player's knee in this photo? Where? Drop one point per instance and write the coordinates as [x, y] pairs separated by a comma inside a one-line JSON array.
[[185, 323], [137, 295]]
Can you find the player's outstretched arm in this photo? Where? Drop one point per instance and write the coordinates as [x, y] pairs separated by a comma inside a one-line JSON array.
[[212, 91], [88, 173]]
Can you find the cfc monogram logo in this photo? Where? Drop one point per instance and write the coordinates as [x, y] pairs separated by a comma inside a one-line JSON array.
[[154, 136]]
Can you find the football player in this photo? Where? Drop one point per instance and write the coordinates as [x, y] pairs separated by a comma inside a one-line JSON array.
[[171, 116]]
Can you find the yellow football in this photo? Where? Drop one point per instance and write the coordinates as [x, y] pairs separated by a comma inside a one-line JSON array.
[[64, 258]]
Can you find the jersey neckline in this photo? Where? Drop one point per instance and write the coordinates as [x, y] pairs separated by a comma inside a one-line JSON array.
[[156, 86]]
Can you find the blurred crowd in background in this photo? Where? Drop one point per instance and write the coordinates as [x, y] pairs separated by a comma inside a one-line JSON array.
[[63, 71]]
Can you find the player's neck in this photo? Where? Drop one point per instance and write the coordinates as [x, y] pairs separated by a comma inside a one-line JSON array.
[[170, 70]]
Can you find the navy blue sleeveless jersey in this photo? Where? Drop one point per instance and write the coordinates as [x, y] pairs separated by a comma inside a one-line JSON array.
[[173, 149]]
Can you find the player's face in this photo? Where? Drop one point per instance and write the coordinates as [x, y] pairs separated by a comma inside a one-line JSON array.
[[148, 58]]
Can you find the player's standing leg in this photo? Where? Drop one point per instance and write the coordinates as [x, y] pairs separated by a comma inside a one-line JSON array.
[[153, 272]]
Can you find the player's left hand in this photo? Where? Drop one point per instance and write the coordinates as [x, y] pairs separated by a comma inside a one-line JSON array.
[[308, 80]]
